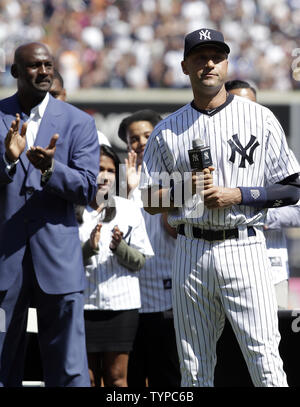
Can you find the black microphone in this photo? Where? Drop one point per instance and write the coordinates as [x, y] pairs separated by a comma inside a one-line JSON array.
[[200, 156]]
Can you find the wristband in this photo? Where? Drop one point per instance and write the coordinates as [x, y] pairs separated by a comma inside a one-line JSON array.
[[253, 196], [273, 196]]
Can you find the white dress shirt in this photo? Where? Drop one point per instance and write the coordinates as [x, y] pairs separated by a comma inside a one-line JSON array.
[[34, 121]]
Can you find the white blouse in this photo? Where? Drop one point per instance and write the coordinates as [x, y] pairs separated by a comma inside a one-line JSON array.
[[110, 286]]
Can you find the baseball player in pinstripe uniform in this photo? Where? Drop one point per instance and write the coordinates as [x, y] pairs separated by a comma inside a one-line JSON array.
[[154, 358], [221, 266], [276, 219]]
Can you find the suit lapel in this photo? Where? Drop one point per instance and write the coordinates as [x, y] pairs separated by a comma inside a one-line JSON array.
[[47, 127]]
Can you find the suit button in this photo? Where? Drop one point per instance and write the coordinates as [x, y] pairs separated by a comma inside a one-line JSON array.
[[30, 190]]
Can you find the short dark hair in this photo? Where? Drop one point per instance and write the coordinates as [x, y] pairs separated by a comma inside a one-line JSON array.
[[58, 76], [141, 115], [239, 84], [109, 152]]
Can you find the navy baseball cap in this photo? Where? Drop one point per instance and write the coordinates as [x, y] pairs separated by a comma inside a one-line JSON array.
[[204, 36]]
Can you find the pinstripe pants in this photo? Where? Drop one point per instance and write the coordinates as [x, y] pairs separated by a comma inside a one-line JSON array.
[[232, 278]]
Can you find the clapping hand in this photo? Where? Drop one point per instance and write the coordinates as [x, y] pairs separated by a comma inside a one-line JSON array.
[[95, 236], [133, 172], [15, 142], [117, 236], [42, 158]]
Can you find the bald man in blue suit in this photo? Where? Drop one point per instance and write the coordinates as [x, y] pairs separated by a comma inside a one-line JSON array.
[[49, 161]]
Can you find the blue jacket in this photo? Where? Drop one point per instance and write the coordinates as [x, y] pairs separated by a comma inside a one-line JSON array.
[[44, 215]]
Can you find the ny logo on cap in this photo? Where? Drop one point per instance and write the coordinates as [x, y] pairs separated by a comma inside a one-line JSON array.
[[204, 35]]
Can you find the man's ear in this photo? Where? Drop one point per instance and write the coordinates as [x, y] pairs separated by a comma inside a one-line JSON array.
[[64, 94], [183, 67], [14, 70]]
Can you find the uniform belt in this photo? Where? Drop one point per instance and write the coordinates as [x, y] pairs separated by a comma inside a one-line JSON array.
[[215, 235]]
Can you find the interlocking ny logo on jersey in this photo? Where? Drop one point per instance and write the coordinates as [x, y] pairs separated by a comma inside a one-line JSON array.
[[236, 147], [204, 35]]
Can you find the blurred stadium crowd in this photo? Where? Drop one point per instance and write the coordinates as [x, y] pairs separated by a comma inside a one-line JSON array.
[[139, 43]]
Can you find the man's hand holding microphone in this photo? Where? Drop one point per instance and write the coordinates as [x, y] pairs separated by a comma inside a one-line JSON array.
[[202, 179]]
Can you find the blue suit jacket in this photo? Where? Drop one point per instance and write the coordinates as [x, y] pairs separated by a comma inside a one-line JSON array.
[[44, 216]]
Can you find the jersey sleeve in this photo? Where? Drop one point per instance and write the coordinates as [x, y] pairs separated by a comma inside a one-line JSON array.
[[280, 160], [153, 166], [287, 216]]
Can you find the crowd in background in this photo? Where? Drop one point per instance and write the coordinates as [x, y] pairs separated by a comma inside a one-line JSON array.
[[139, 43]]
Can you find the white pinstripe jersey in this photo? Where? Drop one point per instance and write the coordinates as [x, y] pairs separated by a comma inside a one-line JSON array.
[[156, 275], [248, 148], [110, 286]]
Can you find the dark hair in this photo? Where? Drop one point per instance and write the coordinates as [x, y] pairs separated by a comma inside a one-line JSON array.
[[239, 84], [58, 76], [109, 152], [110, 212], [141, 115]]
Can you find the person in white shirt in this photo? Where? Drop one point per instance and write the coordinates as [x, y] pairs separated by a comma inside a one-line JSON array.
[[115, 247]]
